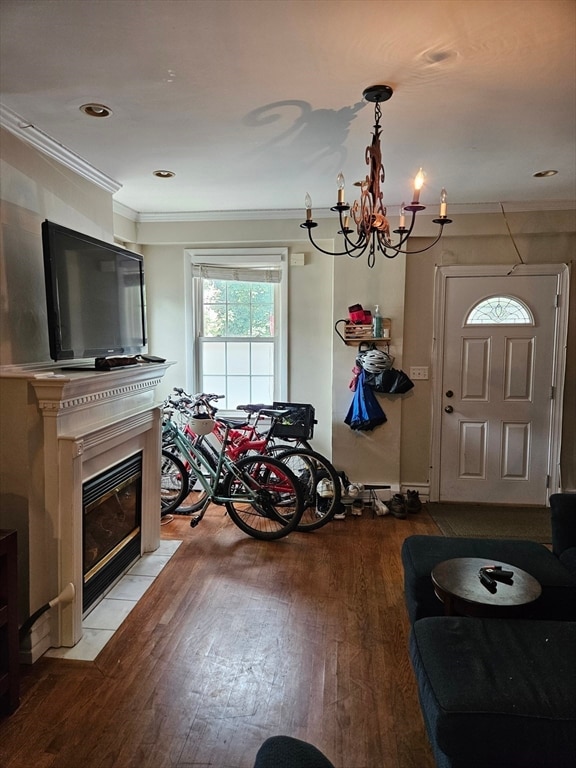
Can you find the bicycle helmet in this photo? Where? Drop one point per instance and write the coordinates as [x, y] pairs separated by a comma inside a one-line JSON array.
[[375, 360], [201, 424]]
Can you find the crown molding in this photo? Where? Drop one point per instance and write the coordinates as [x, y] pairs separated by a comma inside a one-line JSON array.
[[325, 213], [41, 141]]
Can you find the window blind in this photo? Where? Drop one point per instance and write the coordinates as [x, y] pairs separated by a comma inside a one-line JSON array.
[[238, 274]]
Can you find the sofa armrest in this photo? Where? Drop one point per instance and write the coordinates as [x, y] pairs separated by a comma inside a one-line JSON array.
[[563, 520]]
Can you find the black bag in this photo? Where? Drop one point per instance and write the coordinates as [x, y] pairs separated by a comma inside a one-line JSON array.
[[391, 382]]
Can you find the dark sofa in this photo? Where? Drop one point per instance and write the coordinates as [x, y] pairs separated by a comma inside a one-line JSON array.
[[498, 693]]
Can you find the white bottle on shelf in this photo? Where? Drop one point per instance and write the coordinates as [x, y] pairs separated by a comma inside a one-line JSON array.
[[377, 323]]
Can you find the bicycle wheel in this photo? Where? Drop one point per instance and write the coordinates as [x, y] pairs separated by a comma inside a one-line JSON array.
[[320, 486], [196, 497], [173, 483], [278, 444], [276, 504]]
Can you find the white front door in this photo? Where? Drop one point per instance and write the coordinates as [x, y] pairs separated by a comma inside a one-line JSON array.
[[497, 385]]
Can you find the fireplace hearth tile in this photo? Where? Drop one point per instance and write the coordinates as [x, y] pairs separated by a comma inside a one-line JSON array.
[[108, 614], [149, 565], [130, 587], [92, 642], [167, 547]]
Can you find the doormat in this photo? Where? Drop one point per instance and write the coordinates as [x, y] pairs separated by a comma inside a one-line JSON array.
[[487, 521]]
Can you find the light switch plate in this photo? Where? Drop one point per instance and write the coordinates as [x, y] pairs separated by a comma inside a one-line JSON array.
[[419, 372]]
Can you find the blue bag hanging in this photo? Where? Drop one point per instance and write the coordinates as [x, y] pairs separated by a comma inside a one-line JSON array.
[[365, 412]]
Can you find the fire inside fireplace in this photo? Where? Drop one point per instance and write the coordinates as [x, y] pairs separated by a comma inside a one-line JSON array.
[[112, 504]]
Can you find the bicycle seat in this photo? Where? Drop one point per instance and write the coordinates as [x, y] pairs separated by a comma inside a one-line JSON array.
[[252, 408], [273, 412], [233, 422]]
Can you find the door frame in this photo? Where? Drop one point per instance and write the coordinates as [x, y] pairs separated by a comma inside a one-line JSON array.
[[442, 274]]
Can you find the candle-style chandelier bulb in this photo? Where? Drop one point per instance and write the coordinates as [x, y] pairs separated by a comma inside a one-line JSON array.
[[340, 185], [369, 212], [308, 206], [418, 184], [443, 202]]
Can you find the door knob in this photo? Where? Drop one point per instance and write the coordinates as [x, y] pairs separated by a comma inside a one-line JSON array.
[[449, 409], [449, 393]]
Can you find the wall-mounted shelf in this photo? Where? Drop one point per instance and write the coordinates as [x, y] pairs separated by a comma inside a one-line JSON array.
[[359, 334], [356, 342]]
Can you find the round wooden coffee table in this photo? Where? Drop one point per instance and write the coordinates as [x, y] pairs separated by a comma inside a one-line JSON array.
[[457, 584]]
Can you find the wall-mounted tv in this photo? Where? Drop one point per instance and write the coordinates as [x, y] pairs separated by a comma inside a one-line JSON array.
[[95, 296]]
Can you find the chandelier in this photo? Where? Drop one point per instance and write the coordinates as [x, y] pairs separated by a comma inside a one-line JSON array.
[[372, 232]]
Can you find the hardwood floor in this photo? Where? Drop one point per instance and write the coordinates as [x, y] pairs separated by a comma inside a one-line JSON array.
[[235, 641]]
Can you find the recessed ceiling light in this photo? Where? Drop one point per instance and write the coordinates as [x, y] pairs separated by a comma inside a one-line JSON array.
[[163, 174], [96, 110], [543, 174]]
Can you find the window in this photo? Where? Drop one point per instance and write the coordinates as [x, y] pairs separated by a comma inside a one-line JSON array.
[[239, 326], [500, 310]]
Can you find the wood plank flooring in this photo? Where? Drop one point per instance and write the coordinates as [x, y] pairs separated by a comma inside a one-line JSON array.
[[235, 641]]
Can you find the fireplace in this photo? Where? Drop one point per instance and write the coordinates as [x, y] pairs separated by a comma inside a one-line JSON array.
[[73, 428], [111, 532]]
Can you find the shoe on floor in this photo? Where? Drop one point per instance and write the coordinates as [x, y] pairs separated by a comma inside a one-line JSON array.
[[397, 506], [413, 503]]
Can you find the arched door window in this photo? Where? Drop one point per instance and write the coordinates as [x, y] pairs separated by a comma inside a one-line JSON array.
[[500, 310]]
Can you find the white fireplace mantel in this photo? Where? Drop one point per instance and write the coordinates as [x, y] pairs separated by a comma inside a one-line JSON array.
[[72, 426]]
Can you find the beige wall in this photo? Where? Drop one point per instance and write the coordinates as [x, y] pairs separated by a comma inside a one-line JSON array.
[[538, 238], [34, 188]]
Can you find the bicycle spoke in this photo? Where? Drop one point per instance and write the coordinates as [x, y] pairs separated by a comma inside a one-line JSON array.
[[266, 500]]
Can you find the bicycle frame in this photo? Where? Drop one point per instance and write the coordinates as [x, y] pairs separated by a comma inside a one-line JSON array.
[[224, 465]]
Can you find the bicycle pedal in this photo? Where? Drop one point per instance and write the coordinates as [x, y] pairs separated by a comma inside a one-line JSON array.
[[194, 522]]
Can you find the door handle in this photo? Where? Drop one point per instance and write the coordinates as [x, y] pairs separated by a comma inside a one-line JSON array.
[[449, 409], [449, 393]]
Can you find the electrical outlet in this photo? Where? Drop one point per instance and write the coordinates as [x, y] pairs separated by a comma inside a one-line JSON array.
[[419, 372]]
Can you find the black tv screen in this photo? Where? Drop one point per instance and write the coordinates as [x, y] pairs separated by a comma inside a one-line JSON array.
[[95, 296]]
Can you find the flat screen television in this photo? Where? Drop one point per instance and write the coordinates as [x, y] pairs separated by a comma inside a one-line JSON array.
[[95, 296]]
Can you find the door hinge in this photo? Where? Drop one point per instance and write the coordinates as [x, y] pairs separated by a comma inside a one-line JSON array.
[[557, 300], [547, 481], [552, 392]]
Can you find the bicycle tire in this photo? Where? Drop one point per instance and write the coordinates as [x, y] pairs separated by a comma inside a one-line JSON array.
[[310, 467], [196, 498], [278, 444], [173, 483], [278, 506]]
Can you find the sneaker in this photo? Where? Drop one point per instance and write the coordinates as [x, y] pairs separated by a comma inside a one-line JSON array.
[[397, 506], [357, 507], [413, 503], [341, 511]]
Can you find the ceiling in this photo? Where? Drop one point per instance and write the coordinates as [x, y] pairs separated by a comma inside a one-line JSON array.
[[253, 103]]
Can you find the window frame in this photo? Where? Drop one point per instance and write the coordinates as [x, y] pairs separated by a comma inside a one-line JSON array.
[[236, 257]]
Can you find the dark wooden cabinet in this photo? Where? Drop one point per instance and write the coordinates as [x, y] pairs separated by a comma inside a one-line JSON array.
[[9, 658]]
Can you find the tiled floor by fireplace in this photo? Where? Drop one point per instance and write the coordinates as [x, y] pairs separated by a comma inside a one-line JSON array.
[[104, 620]]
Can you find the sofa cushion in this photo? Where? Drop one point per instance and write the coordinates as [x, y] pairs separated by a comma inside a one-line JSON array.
[[568, 559], [497, 692], [421, 553], [563, 520]]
